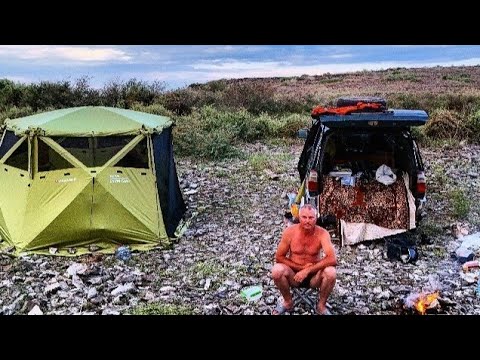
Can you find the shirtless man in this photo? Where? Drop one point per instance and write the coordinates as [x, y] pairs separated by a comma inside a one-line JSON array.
[[304, 266]]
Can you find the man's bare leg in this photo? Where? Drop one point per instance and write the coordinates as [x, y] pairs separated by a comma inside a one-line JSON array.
[[325, 281], [282, 276], [329, 277]]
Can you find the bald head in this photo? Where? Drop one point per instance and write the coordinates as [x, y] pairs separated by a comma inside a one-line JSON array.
[[309, 207]]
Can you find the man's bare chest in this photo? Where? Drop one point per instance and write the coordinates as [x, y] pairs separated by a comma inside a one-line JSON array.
[[308, 245]]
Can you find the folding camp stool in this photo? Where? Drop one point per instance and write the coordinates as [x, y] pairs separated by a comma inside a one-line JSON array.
[[307, 296]]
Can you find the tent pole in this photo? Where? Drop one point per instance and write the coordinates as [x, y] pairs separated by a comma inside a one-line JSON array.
[[30, 157], [3, 137], [35, 156]]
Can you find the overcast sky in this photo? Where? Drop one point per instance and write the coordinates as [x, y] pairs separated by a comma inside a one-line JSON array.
[[178, 66]]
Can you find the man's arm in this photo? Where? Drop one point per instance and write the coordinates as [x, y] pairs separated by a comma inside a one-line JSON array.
[[283, 249], [330, 259]]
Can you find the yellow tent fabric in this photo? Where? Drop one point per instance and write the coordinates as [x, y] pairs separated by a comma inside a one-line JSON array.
[[72, 205]]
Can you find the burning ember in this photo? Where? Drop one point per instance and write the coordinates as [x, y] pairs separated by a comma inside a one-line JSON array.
[[426, 301], [422, 302]]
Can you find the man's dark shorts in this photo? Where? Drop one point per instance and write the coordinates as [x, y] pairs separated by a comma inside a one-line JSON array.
[[306, 282]]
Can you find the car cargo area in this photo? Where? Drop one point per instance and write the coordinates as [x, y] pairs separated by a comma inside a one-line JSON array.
[[366, 184]]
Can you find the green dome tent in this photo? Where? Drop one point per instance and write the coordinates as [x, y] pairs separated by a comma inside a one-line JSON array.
[[74, 177]]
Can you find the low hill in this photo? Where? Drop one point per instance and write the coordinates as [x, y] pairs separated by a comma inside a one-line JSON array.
[[436, 80]]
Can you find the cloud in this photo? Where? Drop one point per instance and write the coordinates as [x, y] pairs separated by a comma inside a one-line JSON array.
[[232, 65], [218, 49], [50, 54], [340, 56], [420, 46], [238, 69], [234, 48]]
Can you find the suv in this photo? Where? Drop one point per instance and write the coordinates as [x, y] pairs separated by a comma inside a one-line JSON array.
[[362, 168]]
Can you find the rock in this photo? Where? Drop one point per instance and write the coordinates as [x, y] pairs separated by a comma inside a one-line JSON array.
[[95, 280], [76, 268], [123, 289], [167, 289], [35, 311], [52, 288], [14, 306], [211, 309], [109, 311], [149, 296], [92, 292], [207, 284], [77, 282], [270, 300], [93, 248]]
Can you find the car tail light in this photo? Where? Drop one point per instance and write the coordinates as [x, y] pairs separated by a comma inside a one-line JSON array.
[[312, 184], [421, 184]]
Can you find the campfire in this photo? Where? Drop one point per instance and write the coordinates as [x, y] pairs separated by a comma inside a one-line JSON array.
[[426, 301]]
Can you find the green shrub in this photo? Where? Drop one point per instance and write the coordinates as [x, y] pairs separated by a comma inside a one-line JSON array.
[[255, 97], [157, 109], [460, 204], [439, 176], [458, 77], [161, 309], [430, 229], [473, 125], [15, 112], [418, 134], [404, 101], [212, 133], [260, 162], [180, 102], [288, 125], [192, 139], [401, 75]]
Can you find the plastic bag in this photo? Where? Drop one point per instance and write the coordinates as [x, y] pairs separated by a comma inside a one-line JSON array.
[[385, 175]]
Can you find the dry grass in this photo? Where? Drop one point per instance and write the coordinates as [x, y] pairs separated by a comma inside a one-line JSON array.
[[387, 83], [446, 124]]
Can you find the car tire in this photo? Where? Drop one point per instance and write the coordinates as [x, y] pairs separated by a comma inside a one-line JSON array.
[[352, 101]]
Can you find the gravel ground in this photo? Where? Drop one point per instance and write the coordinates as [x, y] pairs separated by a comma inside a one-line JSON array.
[[236, 210]]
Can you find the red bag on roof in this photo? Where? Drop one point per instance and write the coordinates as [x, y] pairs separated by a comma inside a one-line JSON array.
[[345, 110]]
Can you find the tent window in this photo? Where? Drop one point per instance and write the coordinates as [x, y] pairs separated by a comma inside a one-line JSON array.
[[49, 159], [108, 147], [19, 158], [79, 147], [73, 142], [8, 139], [96, 151], [137, 157]]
